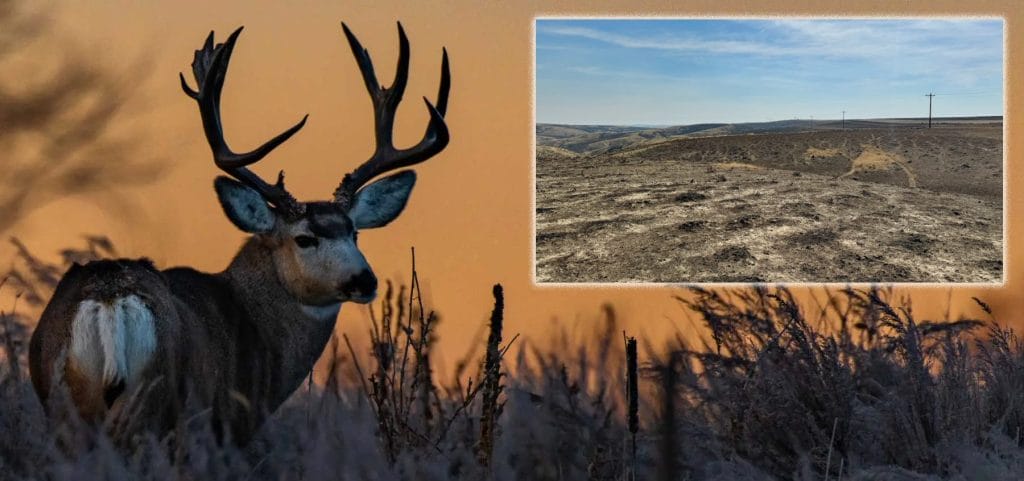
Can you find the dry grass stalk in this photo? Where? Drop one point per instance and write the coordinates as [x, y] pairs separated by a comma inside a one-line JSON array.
[[632, 400], [400, 389], [831, 441], [668, 444], [492, 380]]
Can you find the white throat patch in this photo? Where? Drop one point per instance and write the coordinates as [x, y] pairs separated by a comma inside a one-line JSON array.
[[328, 313]]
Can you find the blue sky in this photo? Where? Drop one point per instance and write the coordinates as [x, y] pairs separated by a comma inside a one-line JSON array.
[[685, 71]]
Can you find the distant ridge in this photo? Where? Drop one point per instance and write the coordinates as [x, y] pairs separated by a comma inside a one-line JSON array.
[[596, 139]]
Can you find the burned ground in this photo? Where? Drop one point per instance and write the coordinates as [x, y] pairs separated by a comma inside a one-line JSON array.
[[898, 203]]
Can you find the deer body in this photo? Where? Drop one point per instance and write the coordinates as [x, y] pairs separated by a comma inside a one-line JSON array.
[[232, 337], [138, 343]]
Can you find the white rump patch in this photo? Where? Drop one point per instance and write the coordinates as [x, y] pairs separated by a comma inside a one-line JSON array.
[[113, 342]]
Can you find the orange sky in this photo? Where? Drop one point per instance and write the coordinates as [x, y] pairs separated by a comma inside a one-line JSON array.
[[470, 215]]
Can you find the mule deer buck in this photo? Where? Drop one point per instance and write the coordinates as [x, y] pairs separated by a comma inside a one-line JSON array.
[[133, 343]]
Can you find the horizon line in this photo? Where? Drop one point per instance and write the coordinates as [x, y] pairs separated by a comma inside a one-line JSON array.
[[653, 124]]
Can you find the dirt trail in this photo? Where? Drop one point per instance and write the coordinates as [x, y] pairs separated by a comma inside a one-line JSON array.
[[873, 158]]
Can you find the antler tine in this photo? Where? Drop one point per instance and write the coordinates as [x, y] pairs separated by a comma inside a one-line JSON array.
[[397, 88], [363, 59], [210, 67], [385, 103], [446, 83]]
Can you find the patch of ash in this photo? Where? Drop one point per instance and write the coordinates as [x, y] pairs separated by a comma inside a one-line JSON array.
[[690, 197], [692, 225], [918, 244], [734, 254]]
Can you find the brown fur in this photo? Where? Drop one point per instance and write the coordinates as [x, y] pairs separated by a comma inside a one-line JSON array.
[[87, 396], [236, 342]]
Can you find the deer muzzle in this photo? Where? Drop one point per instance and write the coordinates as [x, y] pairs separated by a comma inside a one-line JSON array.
[[361, 288]]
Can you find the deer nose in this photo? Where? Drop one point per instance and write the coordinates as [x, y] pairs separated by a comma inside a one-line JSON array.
[[364, 283]]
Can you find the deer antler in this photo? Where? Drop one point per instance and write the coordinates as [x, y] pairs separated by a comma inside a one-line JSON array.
[[385, 103], [210, 67]]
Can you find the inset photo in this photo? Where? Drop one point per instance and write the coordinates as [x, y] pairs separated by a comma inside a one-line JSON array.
[[796, 150]]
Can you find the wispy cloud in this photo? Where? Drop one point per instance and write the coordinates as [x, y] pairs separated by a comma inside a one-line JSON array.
[[881, 65], [680, 44], [864, 39], [621, 74], [935, 39]]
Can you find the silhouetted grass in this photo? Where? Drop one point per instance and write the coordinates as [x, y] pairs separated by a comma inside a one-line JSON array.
[[853, 386]]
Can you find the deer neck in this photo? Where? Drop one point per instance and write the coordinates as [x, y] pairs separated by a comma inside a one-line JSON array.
[[296, 331]]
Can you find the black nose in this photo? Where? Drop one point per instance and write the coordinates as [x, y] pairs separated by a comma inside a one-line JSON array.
[[364, 283]]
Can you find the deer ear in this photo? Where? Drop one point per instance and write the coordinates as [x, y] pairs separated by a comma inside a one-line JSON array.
[[245, 207], [380, 202]]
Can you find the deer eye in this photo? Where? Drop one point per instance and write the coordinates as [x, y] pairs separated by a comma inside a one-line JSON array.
[[305, 241]]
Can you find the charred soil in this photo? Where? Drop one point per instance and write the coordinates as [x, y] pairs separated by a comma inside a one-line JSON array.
[[893, 204]]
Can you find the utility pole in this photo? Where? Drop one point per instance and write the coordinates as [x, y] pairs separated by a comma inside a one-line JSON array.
[[930, 95], [844, 120]]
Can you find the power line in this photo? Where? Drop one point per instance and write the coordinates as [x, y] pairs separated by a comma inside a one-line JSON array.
[[977, 92]]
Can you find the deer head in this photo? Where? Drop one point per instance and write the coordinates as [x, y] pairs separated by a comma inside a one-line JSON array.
[[313, 245]]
